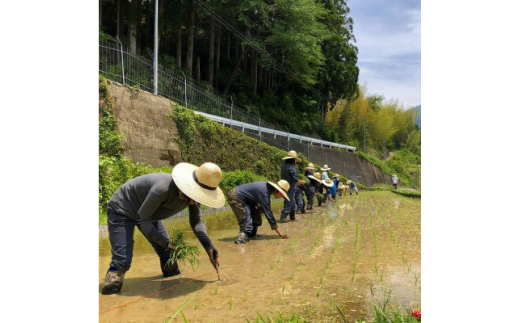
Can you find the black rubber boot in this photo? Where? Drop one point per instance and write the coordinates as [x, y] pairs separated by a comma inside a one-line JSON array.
[[253, 232], [113, 282], [242, 238], [293, 216], [283, 218], [169, 270]]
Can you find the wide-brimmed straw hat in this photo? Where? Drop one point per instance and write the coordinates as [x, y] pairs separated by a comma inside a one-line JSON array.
[[327, 182], [325, 167], [317, 176], [349, 181], [200, 183], [314, 178], [310, 166], [292, 154], [336, 175], [282, 186]]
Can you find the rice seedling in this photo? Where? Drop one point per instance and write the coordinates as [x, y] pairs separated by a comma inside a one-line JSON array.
[[183, 251], [214, 290], [231, 306], [180, 309]]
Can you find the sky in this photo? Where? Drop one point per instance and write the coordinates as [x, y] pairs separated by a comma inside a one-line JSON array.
[[388, 38]]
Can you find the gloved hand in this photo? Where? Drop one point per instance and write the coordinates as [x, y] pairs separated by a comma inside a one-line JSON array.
[[213, 257]]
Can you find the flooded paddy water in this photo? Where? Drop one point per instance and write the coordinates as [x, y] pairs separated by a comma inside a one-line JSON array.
[[349, 254]]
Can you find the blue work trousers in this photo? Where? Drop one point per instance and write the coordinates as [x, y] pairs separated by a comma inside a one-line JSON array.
[[121, 236]]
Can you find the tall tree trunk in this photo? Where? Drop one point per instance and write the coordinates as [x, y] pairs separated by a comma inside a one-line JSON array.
[[218, 35], [228, 45], [254, 70], [235, 70], [237, 50], [197, 69], [211, 51], [118, 27], [132, 26], [191, 36], [132, 34], [179, 47], [100, 12]]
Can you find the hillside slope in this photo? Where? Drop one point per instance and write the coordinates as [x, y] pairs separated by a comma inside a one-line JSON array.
[[151, 138]]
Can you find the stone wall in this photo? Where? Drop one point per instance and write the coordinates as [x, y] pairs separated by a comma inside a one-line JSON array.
[[149, 137]]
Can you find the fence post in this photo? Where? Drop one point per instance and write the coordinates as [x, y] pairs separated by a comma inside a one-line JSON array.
[[122, 65], [185, 95]]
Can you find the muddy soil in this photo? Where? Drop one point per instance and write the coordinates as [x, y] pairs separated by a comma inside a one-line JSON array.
[[343, 257]]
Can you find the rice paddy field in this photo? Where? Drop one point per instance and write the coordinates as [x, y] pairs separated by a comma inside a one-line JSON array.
[[342, 260]]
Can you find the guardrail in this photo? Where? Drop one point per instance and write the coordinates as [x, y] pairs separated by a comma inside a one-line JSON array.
[[275, 133]]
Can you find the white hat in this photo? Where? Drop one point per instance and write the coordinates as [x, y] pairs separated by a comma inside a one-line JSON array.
[[200, 183], [327, 182], [325, 167], [292, 154], [282, 186]]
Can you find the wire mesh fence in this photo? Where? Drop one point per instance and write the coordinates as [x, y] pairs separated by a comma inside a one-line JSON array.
[[119, 64]]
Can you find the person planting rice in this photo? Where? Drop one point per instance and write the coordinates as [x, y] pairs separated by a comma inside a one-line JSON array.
[[249, 200], [146, 200]]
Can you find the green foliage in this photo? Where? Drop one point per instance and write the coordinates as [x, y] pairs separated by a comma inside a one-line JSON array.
[[278, 318], [386, 312], [203, 140], [413, 143], [235, 178], [180, 310], [183, 251], [185, 120], [109, 136], [113, 172]]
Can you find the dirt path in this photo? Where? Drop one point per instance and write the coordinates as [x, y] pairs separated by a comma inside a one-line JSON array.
[[349, 253]]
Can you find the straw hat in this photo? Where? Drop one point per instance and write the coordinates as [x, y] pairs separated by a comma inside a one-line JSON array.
[[349, 181], [327, 182], [200, 183], [336, 175], [313, 177], [282, 186], [309, 167], [340, 185], [292, 154], [325, 167], [317, 175]]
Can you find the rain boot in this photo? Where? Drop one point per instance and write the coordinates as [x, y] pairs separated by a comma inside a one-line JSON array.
[[293, 216], [113, 281], [242, 238], [169, 270], [283, 218]]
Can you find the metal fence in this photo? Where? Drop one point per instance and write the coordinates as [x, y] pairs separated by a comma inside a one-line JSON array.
[[118, 64]]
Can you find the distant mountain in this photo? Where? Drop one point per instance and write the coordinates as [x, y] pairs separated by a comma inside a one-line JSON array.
[[417, 111]]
